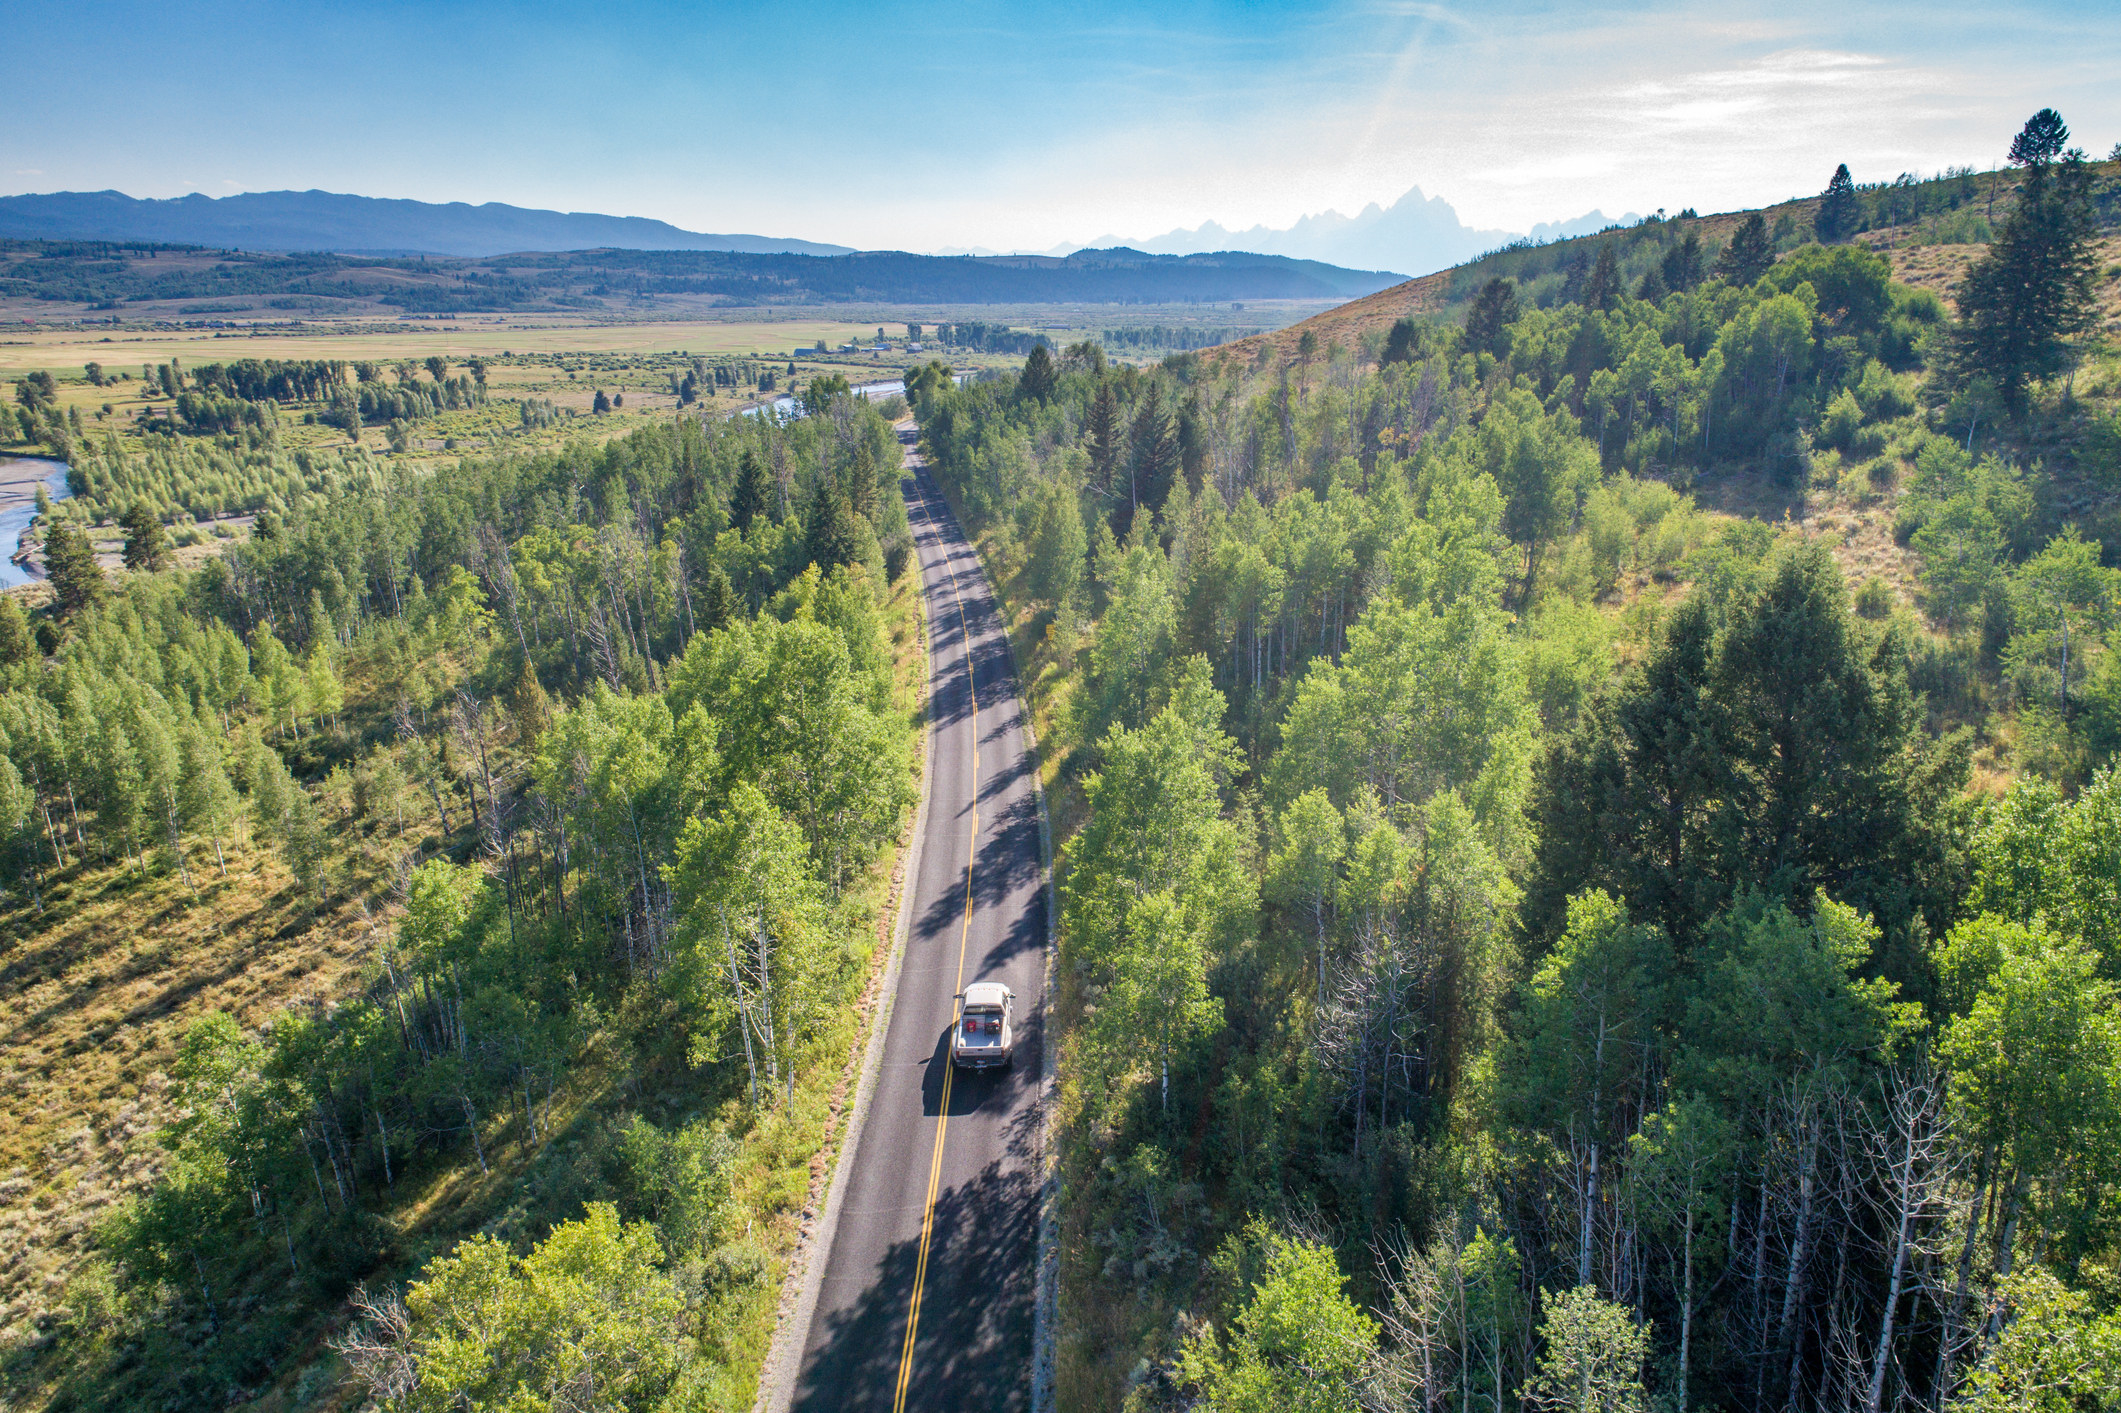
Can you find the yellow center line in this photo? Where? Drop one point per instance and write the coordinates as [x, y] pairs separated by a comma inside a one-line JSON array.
[[942, 1122]]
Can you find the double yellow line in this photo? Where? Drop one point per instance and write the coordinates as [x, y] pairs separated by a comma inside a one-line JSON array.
[[964, 936]]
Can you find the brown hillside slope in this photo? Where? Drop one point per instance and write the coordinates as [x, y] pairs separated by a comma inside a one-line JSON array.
[[1933, 266], [1432, 295]]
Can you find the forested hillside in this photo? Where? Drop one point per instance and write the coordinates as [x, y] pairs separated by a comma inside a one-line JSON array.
[[111, 275], [1536, 935], [459, 850]]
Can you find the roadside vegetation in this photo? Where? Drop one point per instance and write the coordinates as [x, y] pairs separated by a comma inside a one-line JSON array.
[[461, 895], [1590, 826]]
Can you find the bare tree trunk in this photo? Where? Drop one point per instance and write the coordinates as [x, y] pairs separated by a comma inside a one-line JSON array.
[[1955, 1313], [2006, 1243], [1800, 1243], [1686, 1303], [471, 1121]]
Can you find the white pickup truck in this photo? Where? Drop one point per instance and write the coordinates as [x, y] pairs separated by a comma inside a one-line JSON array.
[[984, 1036]]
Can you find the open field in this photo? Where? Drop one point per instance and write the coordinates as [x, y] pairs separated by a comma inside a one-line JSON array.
[[65, 349], [564, 361], [33, 339]]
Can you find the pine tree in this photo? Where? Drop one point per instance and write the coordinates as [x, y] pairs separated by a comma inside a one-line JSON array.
[[860, 481], [1402, 343], [1749, 255], [1603, 289], [532, 708], [2035, 289], [1840, 209], [1040, 377], [1488, 321], [831, 530], [753, 496], [1154, 456], [2041, 140], [70, 561], [1104, 433], [717, 599], [1682, 268], [146, 544], [1782, 753]]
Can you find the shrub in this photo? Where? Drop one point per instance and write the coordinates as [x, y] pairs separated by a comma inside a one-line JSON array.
[[1839, 424]]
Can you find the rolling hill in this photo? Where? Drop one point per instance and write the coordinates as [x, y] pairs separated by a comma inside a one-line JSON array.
[[1928, 230], [107, 276]]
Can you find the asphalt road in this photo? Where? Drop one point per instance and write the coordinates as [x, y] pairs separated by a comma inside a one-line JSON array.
[[929, 1284]]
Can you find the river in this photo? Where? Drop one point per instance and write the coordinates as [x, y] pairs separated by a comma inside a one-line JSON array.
[[19, 478]]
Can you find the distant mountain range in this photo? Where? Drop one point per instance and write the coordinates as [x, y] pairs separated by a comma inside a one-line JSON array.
[[147, 281], [360, 225], [1416, 233]]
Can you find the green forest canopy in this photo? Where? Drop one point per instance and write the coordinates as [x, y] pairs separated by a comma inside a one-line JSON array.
[[1524, 938]]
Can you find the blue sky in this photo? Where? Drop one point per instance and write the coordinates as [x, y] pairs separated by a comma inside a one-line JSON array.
[[1024, 125]]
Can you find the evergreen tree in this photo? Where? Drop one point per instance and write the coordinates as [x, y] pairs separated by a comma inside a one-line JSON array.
[[1488, 321], [1402, 342], [1040, 376], [1782, 754], [531, 707], [2041, 140], [1103, 431], [1603, 289], [717, 599], [831, 529], [1683, 267], [1575, 273], [1840, 208], [753, 495], [146, 544], [860, 479], [1153, 457], [70, 563], [1749, 254], [2034, 289]]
